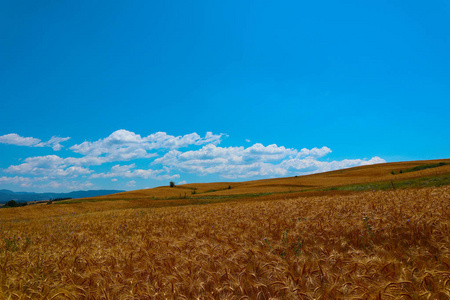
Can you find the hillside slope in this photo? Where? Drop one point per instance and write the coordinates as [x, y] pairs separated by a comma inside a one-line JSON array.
[[314, 182], [6, 195]]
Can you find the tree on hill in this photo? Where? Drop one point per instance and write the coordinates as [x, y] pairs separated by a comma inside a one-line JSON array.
[[12, 203], [172, 184]]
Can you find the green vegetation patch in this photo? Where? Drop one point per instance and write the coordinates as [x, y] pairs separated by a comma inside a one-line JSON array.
[[422, 167], [430, 181]]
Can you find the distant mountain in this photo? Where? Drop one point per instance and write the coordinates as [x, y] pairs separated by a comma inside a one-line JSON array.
[[6, 192], [6, 195]]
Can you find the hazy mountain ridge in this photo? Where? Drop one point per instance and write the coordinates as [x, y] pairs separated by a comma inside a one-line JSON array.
[[6, 195]]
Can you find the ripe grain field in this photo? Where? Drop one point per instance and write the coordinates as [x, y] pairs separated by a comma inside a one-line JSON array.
[[368, 245], [359, 175]]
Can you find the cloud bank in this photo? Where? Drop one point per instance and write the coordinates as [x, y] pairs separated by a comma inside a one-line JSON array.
[[160, 156]]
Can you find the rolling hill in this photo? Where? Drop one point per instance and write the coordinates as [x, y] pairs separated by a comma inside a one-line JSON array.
[[380, 176], [6, 195]]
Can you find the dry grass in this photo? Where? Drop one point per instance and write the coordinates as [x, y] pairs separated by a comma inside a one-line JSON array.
[[371, 245], [357, 175]]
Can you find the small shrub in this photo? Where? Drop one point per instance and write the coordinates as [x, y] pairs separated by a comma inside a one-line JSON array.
[[172, 184]]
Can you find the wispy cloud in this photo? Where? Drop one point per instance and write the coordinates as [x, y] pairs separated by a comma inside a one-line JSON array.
[[67, 185], [16, 180], [310, 165], [43, 183], [15, 139], [131, 183], [54, 143], [129, 171]]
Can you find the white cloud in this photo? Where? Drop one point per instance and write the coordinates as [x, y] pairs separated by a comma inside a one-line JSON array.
[[314, 152], [51, 184], [373, 161], [16, 180], [121, 145], [54, 142], [236, 155], [74, 171], [310, 165], [247, 140], [131, 183], [229, 161], [119, 139], [86, 160], [37, 165], [40, 182], [129, 171], [50, 165], [82, 185], [259, 152], [182, 182], [15, 139], [255, 161], [114, 179], [22, 181], [125, 145], [66, 185]]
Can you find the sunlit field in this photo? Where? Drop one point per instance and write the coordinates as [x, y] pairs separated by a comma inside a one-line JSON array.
[[387, 173], [368, 245]]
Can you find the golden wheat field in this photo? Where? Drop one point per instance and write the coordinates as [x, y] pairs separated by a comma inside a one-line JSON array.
[[369, 245], [356, 175]]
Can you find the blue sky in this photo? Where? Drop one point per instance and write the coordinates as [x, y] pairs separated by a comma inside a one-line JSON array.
[[133, 94]]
